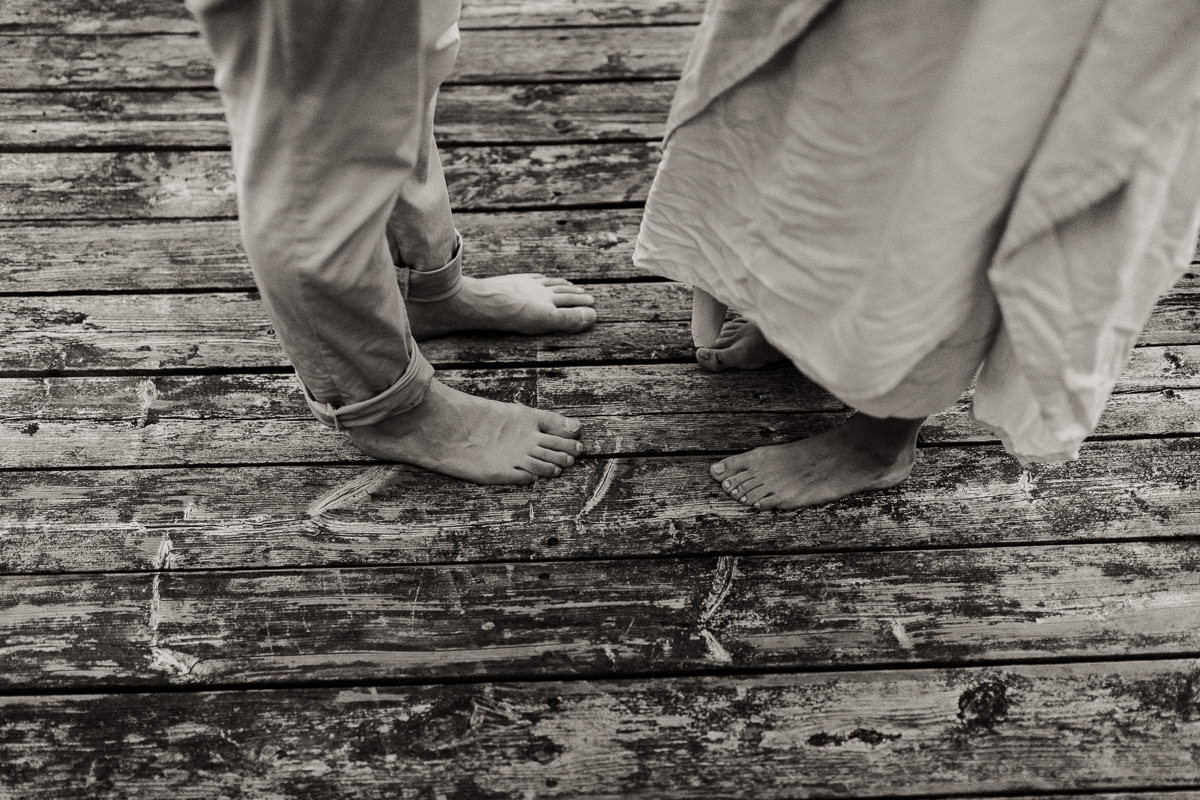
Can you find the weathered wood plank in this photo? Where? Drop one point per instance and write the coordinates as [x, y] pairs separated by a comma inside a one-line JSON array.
[[568, 112], [639, 320], [668, 408], [281, 516], [646, 321], [207, 254], [487, 56], [144, 185], [580, 619], [23, 17], [1020, 729]]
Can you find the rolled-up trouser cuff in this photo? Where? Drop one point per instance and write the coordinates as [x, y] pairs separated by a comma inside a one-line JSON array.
[[404, 395], [438, 284]]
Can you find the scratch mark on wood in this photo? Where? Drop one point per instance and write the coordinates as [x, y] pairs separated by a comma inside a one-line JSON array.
[[611, 655], [1028, 486], [351, 491], [716, 651], [607, 476], [165, 659], [147, 394], [165, 558], [722, 582], [902, 637]]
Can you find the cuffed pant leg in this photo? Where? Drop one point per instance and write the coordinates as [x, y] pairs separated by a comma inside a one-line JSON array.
[[326, 103], [420, 228]]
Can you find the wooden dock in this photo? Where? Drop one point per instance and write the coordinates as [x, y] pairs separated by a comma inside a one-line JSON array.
[[204, 594]]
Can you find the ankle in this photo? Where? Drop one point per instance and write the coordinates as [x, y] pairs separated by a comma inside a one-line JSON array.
[[890, 441]]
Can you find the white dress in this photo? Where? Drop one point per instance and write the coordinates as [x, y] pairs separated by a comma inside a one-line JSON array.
[[898, 191]]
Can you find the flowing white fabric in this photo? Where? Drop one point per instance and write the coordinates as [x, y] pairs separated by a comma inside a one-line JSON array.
[[887, 189]]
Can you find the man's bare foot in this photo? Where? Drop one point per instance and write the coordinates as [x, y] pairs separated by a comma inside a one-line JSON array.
[[863, 454], [528, 303], [740, 345], [478, 440]]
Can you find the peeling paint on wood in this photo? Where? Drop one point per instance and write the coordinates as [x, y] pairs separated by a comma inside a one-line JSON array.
[[258, 516], [566, 112], [486, 56], [169, 16], [205, 254], [1087, 726], [172, 184]]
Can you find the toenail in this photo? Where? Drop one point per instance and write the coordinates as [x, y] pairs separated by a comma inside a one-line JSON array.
[[570, 461], [557, 471], [704, 354], [719, 468], [726, 484]]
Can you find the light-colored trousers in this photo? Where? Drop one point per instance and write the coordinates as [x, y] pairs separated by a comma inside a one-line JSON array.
[[341, 198]]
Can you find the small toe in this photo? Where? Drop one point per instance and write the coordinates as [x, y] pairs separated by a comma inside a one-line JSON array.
[[560, 458], [756, 495], [521, 477], [542, 469], [739, 482]]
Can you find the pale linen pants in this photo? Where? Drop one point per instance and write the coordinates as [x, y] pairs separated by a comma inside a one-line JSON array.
[[330, 107]]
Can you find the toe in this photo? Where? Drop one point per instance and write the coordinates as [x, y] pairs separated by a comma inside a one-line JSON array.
[[542, 469], [564, 287], [711, 358], [561, 444], [574, 320], [519, 477], [557, 425], [728, 467], [560, 458], [737, 483], [743, 492], [755, 496], [573, 299], [553, 281]]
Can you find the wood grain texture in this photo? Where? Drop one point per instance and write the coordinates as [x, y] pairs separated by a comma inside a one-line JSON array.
[[516, 55], [295, 515], [207, 254], [24, 17], [256, 419], [166, 184], [643, 321], [135, 256], [579, 619], [567, 112], [161, 331], [1016, 729]]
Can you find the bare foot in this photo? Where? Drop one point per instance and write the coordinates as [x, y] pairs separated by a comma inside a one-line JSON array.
[[529, 303], [740, 345], [468, 437], [863, 454]]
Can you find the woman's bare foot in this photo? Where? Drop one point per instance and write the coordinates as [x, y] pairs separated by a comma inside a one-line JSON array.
[[528, 303], [478, 440], [740, 345], [863, 454]]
